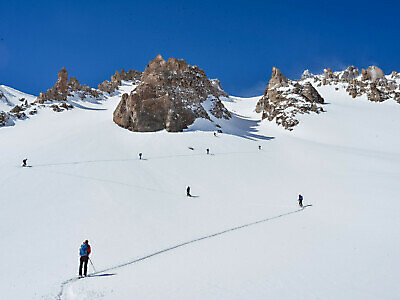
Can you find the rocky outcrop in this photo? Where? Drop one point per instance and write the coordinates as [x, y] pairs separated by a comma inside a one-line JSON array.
[[172, 95], [349, 74], [4, 118], [372, 74], [370, 82], [59, 91], [64, 89], [284, 99], [116, 80], [395, 75]]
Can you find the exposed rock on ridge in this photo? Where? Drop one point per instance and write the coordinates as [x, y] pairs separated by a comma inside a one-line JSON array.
[[171, 96], [116, 80], [284, 99], [371, 82], [64, 88]]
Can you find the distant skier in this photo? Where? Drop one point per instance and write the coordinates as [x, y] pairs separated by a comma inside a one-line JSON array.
[[301, 201], [259, 147], [208, 151], [215, 134], [140, 155], [24, 162], [84, 252], [188, 192]]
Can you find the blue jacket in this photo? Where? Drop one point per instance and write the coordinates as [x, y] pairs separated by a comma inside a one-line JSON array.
[[84, 250]]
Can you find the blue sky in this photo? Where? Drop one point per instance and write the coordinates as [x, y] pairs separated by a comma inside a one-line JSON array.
[[236, 41]]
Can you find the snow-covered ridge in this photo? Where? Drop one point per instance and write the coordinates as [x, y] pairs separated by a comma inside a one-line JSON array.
[[371, 82], [281, 104], [285, 100]]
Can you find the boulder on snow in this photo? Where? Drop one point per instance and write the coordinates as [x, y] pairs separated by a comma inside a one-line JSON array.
[[16, 109], [4, 118]]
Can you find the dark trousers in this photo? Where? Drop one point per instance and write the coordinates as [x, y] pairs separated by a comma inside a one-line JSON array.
[[301, 203], [83, 261]]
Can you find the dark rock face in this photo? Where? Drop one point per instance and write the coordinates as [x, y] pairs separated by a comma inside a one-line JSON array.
[[4, 118], [171, 96], [284, 99], [17, 109], [64, 88], [116, 80]]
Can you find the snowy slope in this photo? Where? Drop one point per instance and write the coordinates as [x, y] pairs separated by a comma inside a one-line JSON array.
[[11, 97], [87, 183]]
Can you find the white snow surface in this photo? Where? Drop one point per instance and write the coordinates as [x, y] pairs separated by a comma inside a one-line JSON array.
[[86, 182]]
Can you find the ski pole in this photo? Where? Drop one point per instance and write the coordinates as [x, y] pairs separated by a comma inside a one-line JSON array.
[[92, 265]]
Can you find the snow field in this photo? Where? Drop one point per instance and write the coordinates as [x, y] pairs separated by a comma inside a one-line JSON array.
[[87, 183]]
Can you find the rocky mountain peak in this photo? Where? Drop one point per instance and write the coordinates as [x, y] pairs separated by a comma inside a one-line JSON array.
[[172, 95], [284, 99], [277, 79]]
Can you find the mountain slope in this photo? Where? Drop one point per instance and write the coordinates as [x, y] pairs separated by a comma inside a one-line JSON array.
[[87, 183]]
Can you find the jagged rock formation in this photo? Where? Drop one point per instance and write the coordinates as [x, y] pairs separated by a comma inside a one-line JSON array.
[[372, 74], [371, 82], [284, 99], [349, 74], [171, 96], [64, 89], [116, 80]]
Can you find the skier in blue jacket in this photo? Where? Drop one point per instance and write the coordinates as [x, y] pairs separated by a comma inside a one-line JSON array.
[[301, 201], [84, 252]]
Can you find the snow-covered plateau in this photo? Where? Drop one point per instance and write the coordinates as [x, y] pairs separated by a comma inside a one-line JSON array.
[[150, 241]]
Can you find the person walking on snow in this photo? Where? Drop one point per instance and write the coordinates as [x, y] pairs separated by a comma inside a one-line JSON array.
[[24, 162], [140, 155], [208, 151], [301, 201], [188, 192], [84, 252]]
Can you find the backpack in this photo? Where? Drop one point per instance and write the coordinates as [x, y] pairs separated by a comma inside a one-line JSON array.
[[84, 250], [301, 198]]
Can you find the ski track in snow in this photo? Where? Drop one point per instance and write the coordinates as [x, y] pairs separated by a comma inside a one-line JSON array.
[[74, 279]]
